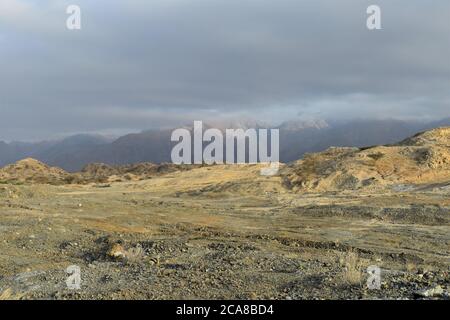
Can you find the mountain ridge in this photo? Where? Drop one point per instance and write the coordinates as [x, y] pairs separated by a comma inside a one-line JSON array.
[[297, 137]]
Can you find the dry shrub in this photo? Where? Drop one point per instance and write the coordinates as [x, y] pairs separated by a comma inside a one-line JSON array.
[[351, 268], [135, 254], [132, 255], [411, 267]]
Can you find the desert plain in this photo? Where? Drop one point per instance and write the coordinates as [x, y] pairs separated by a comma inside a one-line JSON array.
[[228, 232]]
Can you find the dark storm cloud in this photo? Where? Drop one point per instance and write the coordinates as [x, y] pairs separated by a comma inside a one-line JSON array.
[[140, 64]]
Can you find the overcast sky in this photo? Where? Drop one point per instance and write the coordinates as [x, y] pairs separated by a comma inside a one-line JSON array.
[[139, 64]]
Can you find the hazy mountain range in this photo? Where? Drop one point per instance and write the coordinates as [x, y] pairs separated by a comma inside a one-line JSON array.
[[297, 137]]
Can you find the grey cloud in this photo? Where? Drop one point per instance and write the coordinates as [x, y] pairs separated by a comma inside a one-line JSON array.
[[140, 64]]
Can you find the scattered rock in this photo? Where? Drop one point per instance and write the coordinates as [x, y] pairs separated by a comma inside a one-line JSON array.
[[436, 291], [117, 251]]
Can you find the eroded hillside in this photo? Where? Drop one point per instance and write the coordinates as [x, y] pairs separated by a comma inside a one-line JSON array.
[[413, 163]]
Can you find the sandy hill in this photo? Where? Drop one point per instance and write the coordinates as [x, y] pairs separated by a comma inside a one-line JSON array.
[[33, 171], [420, 160]]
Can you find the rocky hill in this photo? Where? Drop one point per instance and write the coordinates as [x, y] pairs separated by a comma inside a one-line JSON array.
[[32, 171], [415, 162], [101, 172], [29, 171]]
